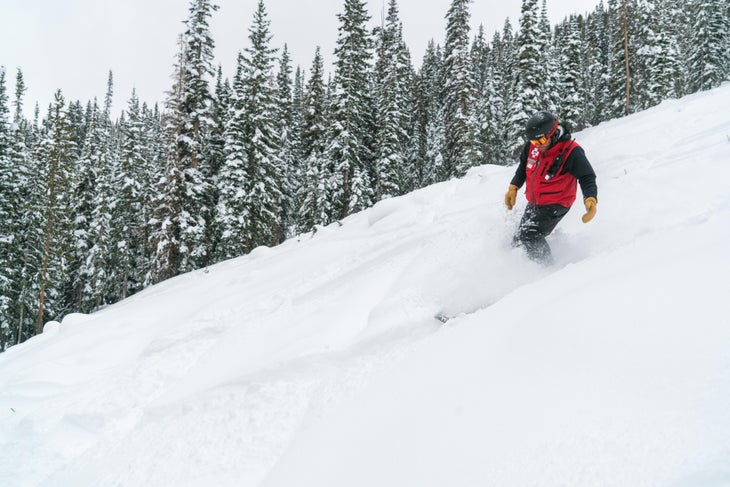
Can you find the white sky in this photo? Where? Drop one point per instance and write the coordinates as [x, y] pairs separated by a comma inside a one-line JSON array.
[[72, 44]]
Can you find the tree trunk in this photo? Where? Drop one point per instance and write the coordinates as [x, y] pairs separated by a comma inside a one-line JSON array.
[[44, 277]]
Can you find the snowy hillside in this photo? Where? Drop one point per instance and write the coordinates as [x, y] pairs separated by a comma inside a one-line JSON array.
[[319, 362]]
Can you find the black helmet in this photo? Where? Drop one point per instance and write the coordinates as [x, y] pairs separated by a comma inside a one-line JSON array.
[[541, 124]]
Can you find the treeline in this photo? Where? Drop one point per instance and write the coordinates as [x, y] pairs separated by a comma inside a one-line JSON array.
[[93, 210]]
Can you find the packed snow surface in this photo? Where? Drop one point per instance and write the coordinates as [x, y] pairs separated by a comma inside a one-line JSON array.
[[320, 363]]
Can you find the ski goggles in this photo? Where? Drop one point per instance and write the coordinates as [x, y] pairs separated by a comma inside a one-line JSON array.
[[540, 140]]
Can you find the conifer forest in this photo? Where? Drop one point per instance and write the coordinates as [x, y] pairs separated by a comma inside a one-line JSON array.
[[95, 209]]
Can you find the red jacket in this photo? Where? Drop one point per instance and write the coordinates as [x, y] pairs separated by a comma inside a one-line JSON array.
[[560, 185], [547, 181]]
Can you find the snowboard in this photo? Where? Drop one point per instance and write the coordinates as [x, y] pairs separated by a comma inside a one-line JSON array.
[[445, 317]]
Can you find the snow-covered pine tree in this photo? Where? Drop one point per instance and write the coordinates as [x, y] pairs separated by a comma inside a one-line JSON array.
[[348, 149], [130, 214], [215, 155], [480, 51], [550, 69], [198, 70], [621, 58], [679, 30], [531, 56], [83, 206], [502, 103], [78, 118], [597, 42], [181, 213], [171, 219], [7, 266], [298, 150], [18, 226], [231, 211], [428, 119], [313, 196], [640, 53], [92, 217], [152, 173], [5, 124], [55, 154], [392, 81], [250, 204], [659, 53], [20, 89], [108, 99], [298, 109], [708, 59], [182, 210], [458, 92], [288, 134], [483, 119], [261, 137], [569, 88]]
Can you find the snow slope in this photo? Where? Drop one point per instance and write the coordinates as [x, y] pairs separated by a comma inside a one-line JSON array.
[[319, 363]]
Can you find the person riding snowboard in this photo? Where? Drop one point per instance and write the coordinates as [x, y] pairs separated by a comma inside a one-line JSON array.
[[551, 163]]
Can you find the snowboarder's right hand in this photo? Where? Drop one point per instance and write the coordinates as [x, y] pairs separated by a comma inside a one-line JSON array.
[[511, 197]]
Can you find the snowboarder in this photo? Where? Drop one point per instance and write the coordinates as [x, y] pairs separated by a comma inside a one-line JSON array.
[[551, 163]]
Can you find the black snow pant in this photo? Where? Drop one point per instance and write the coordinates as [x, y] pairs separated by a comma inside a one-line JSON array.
[[537, 223]]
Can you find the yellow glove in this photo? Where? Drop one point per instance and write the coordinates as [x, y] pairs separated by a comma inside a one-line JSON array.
[[511, 197], [590, 203]]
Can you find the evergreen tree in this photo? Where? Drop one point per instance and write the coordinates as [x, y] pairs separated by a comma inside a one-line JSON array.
[[216, 156], [78, 119], [708, 59], [660, 53], [348, 151], [20, 90], [296, 174], [550, 70], [503, 102], [480, 56], [428, 119], [531, 56], [264, 167], [232, 215], [569, 89], [55, 154], [458, 92], [129, 214], [182, 214], [153, 172], [196, 70], [17, 225], [92, 217], [484, 91], [313, 195], [288, 141], [6, 227], [393, 71], [621, 62], [597, 46], [171, 223], [250, 205]]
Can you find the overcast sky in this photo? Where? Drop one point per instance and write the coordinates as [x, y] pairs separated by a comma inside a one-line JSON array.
[[72, 44]]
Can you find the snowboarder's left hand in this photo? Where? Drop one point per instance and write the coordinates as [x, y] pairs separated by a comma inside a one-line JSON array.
[[590, 203]]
